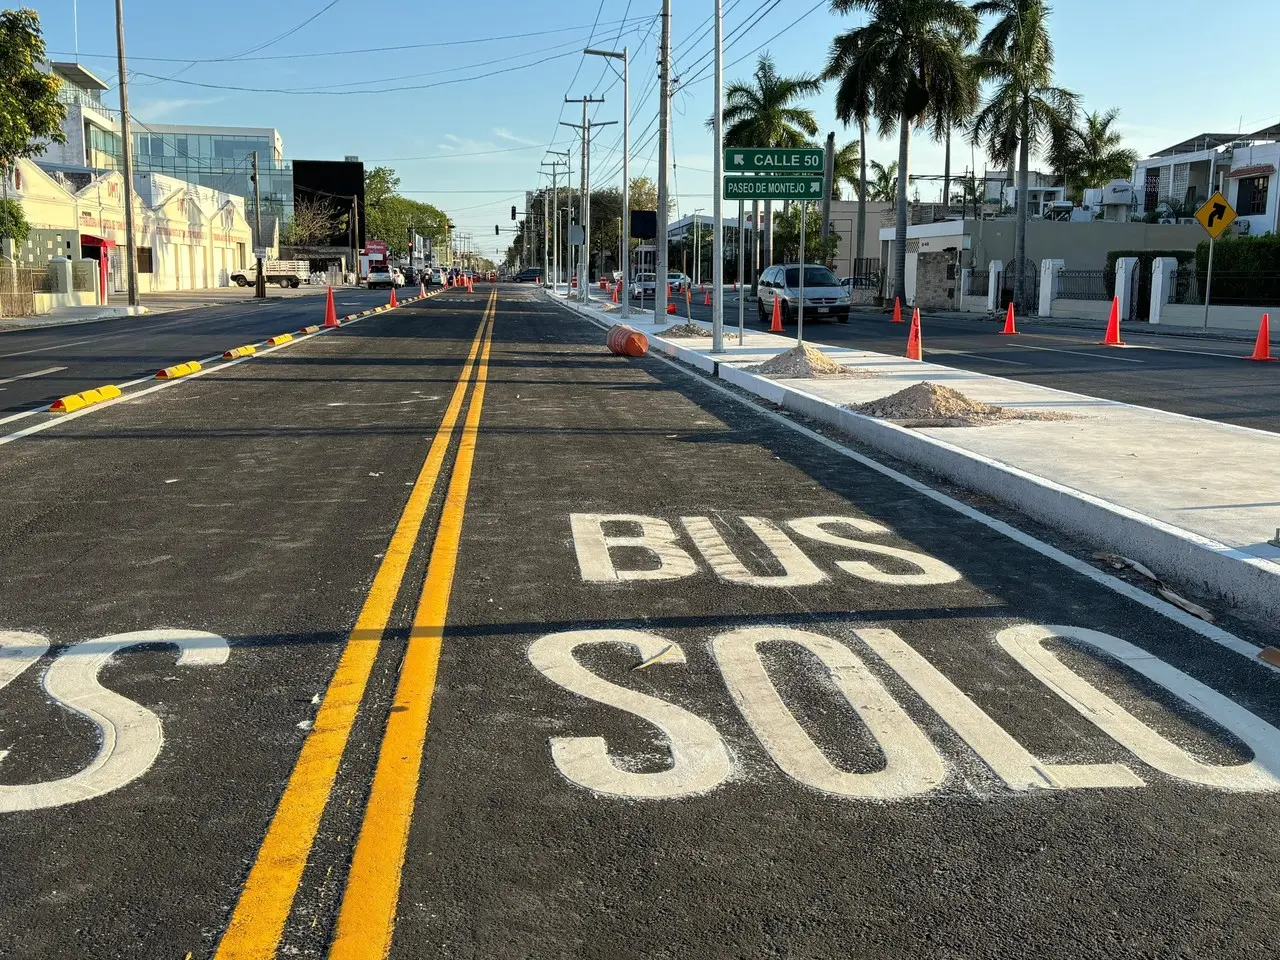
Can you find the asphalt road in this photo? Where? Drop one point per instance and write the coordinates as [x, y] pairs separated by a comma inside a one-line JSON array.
[[1198, 377], [697, 685], [38, 366]]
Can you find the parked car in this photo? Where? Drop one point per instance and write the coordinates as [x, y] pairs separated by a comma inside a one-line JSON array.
[[678, 281], [642, 286], [865, 282], [527, 275], [824, 297], [379, 276]]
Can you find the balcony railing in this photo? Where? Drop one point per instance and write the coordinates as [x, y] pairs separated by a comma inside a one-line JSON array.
[[73, 96]]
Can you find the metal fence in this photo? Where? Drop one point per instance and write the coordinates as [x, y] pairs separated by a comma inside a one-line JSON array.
[[1083, 285], [865, 278], [1242, 289], [979, 283], [83, 276]]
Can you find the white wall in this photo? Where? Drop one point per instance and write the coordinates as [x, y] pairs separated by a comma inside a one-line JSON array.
[[1226, 318], [1268, 153], [1081, 309]]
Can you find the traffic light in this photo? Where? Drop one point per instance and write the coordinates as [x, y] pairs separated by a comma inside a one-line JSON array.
[[496, 231], [513, 211]]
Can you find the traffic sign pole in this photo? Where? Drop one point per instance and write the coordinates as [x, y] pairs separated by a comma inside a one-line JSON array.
[[1208, 284], [804, 206]]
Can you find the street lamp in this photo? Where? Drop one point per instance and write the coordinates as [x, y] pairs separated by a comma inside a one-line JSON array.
[[626, 166]]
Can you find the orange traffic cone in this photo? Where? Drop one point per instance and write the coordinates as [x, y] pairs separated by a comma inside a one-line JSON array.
[[392, 302], [897, 310], [1113, 326], [914, 351], [706, 299], [776, 325], [668, 291], [671, 307], [1009, 329], [1262, 349], [615, 294], [330, 314], [422, 289]]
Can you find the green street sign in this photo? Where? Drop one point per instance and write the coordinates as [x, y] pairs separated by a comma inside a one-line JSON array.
[[772, 188], [773, 160]]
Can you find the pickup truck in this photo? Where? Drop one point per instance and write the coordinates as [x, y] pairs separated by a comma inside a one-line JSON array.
[[285, 273]]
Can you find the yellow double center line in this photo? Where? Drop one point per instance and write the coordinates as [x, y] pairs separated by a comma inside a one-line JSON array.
[[368, 906]]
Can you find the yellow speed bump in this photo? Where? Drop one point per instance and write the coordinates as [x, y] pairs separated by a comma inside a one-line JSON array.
[[246, 351], [314, 328], [181, 370], [88, 398], [279, 339]]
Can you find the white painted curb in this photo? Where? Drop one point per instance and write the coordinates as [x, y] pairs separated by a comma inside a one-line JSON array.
[[1173, 553]]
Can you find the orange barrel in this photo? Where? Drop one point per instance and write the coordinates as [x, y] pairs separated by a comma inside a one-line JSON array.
[[626, 341]]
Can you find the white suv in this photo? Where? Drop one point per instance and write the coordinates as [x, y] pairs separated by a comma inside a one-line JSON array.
[[824, 297]]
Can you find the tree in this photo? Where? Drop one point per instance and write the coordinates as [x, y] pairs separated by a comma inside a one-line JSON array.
[[30, 114], [313, 222], [13, 221], [762, 113], [856, 70], [883, 187], [1023, 108], [644, 194], [845, 169], [816, 250], [380, 184], [1090, 154], [920, 78]]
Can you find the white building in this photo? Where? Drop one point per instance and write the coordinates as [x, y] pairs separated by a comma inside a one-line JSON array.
[[1242, 167], [187, 237]]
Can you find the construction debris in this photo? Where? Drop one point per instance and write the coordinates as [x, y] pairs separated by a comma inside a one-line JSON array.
[[684, 331], [1118, 562], [931, 405], [801, 362]]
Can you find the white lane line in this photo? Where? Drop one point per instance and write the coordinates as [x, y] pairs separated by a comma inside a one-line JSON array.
[[978, 356], [31, 376], [19, 416], [1078, 353], [1194, 353], [56, 346]]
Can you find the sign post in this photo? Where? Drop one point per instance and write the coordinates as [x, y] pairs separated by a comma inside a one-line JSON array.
[[1215, 216]]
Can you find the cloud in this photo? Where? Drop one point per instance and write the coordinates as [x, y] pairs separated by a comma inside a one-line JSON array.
[[159, 109], [508, 135]]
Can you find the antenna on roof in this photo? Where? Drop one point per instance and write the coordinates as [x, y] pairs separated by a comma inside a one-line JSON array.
[[75, 26]]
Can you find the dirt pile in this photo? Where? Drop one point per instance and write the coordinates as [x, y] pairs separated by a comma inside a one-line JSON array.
[[931, 405], [800, 362], [685, 331]]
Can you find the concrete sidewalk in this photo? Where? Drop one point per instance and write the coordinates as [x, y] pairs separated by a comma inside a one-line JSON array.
[[1195, 500]]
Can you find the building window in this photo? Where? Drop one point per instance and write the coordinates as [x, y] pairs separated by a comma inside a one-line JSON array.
[[1251, 196], [144, 260]]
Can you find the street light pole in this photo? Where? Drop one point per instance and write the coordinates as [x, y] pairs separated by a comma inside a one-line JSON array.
[[664, 125], [131, 252], [717, 207], [626, 171]]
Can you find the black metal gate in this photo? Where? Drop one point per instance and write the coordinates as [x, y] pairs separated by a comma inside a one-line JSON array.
[[1139, 294], [1030, 301]]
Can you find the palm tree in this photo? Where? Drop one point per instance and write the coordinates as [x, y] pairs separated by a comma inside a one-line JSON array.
[[762, 113], [883, 187], [855, 102], [1091, 154], [845, 169], [918, 47], [1023, 109]]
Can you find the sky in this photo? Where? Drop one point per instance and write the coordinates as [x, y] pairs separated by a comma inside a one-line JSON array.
[[463, 102]]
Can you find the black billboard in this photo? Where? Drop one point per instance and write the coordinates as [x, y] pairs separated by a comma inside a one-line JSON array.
[[336, 181]]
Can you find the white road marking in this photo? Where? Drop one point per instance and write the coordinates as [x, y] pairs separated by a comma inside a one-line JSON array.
[[32, 376], [912, 764], [1109, 355], [56, 346], [18, 416], [1009, 759], [1026, 645], [700, 761], [932, 570], [1194, 353], [656, 536], [798, 570], [978, 356], [130, 736]]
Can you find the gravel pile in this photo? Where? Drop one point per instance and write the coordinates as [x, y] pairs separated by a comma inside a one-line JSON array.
[[800, 362], [685, 331], [930, 405]]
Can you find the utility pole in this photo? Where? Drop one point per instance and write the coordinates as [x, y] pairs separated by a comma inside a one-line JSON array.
[[717, 204], [584, 203], [126, 144], [355, 236], [260, 282], [626, 171], [828, 179], [555, 213], [664, 127]]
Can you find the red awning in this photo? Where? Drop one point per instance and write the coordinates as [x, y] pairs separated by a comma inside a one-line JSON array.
[[89, 240], [1260, 170]]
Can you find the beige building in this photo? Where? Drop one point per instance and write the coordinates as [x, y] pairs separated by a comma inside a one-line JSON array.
[[188, 237]]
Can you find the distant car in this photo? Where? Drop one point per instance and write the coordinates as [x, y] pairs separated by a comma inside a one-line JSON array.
[[866, 282], [528, 275], [397, 276], [642, 286], [493, 276], [824, 297], [678, 281], [379, 276]]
